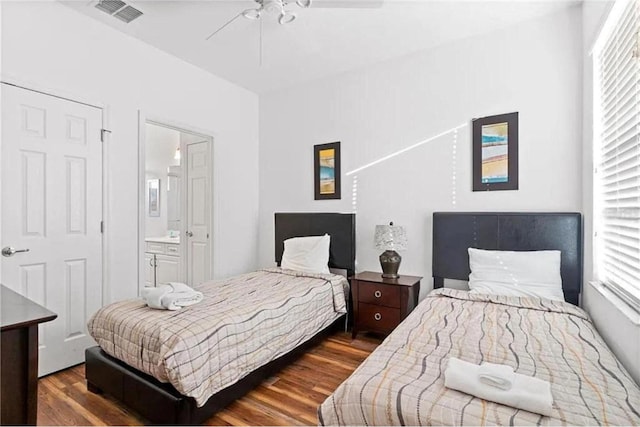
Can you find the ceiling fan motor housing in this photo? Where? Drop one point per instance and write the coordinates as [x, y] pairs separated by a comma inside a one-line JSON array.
[[273, 6]]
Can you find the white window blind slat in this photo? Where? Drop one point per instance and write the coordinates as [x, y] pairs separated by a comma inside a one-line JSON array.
[[620, 70], [622, 26], [621, 272], [625, 244], [626, 237], [621, 150], [619, 106], [624, 46], [617, 151], [619, 172]]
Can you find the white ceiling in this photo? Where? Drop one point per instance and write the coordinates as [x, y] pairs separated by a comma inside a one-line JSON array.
[[321, 42]]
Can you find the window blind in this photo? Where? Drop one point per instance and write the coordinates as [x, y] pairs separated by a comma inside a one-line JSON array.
[[617, 152]]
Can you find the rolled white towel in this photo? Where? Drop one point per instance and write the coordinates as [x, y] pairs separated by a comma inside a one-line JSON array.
[[528, 393], [493, 374], [171, 296]]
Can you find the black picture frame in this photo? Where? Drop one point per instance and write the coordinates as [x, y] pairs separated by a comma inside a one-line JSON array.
[[490, 174], [326, 188]]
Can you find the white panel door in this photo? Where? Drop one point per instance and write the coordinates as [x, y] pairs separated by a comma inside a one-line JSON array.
[[198, 213], [52, 205]]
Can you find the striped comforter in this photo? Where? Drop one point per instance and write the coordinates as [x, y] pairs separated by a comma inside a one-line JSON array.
[[402, 381], [242, 323]]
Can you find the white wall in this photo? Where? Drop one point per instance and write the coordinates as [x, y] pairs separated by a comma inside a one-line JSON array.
[[534, 68], [618, 325], [54, 47]]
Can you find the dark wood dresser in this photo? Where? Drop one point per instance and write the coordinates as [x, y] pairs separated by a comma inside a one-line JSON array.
[[379, 305], [19, 357]]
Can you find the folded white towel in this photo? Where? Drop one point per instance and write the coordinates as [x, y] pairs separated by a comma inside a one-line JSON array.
[[171, 296], [500, 376], [176, 300], [528, 393]]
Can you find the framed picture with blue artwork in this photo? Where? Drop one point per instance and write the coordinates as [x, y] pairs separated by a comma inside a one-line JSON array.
[[326, 170], [495, 153]]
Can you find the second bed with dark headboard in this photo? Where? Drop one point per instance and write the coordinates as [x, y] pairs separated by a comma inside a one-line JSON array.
[[403, 381], [455, 232]]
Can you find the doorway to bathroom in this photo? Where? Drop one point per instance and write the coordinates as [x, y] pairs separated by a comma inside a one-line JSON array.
[[176, 220]]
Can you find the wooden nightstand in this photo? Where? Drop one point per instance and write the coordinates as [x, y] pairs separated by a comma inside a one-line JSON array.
[[379, 305]]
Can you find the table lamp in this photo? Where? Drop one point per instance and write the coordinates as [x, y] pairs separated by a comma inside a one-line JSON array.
[[390, 238]]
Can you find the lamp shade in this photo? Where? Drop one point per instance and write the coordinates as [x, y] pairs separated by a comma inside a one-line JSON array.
[[390, 238]]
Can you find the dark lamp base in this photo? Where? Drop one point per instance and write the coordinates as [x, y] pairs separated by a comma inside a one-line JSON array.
[[390, 262]]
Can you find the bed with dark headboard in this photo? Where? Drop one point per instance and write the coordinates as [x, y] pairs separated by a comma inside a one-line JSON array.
[[403, 382], [340, 226], [160, 402], [455, 232]]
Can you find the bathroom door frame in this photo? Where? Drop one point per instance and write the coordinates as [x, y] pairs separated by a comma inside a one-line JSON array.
[[209, 135]]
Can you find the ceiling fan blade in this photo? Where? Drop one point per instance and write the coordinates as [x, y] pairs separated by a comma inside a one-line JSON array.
[[347, 4], [224, 26]]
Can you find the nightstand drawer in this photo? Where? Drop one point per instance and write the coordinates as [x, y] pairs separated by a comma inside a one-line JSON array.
[[373, 293], [375, 317]]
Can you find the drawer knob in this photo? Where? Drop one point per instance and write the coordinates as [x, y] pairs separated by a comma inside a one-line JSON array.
[[377, 294], [377, 316]]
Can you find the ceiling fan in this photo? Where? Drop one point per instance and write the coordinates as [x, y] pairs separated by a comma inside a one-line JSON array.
[[280, 8]]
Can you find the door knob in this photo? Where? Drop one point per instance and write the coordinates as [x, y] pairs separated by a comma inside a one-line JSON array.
[[189, 234], [10, 251]]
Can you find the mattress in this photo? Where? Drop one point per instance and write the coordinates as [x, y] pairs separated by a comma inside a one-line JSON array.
[[242, 323], [402, 381]]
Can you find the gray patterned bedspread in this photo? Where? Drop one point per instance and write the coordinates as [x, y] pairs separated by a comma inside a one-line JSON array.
[[402, 381], [242, 323]]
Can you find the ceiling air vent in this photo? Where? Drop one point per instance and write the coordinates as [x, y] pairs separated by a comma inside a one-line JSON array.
[[119, 9], [127, 14], [110, 6]]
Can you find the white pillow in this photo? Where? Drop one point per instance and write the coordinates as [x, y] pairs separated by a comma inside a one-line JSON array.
[[307, 254], [521, 273]]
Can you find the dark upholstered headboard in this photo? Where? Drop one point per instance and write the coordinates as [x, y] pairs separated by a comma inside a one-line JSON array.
[[340, 226], [455, 232]]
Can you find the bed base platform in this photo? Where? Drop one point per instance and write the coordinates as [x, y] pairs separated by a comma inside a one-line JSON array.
[[161, 403]]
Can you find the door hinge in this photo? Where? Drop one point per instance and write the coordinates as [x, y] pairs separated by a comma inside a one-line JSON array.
[[101, 227], [102, 133]]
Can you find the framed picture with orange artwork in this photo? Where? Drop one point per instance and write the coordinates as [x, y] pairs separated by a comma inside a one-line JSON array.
[[326, 170]]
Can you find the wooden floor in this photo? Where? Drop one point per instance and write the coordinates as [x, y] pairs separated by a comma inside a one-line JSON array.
[[290, 398]]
